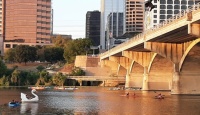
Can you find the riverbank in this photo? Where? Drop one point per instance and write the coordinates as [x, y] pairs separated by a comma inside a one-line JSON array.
[[30, 66]]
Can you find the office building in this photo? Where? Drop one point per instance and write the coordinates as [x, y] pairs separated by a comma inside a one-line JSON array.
[[116, 28], [26, 22], [1, 27], [108, 7], [134, 16], [165, 9], [93, 26]]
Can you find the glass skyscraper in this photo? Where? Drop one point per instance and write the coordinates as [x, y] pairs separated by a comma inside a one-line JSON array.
[[108, 8], [93, 26]]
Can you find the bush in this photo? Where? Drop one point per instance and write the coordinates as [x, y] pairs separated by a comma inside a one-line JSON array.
[[40, 68], [76, 71]]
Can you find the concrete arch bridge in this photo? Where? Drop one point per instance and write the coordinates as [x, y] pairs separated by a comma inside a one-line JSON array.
[[166, 57]]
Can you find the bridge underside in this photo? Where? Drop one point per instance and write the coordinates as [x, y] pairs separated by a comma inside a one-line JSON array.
[[166, 58]]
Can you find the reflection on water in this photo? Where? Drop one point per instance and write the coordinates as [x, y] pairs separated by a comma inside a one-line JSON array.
[[29, 108], [99, 101]]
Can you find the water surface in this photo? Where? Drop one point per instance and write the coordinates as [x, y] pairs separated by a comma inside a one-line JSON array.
[[99, 101]]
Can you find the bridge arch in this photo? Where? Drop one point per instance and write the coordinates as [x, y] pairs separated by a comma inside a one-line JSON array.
[[189, 69], [150, 64], [189, 48], [135, 75], [160, 73], [114, 67]]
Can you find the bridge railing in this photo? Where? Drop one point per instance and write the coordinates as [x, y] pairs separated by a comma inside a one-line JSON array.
[[159, 26], [97, 77]]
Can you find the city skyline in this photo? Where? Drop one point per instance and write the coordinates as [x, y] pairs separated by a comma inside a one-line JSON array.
[[70, 16]]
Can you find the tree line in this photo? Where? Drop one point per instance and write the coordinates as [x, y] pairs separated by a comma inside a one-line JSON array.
[[15, 77], [63, 49]]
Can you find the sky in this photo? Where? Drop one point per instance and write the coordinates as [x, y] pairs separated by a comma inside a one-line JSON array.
[[69, 16]]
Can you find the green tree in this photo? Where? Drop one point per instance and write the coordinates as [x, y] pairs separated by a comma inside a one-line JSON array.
[[32, 78], [60, 41], [45, 78], [53, 54], [76, 71], [40, 68], [24, 53], [4, 81], [76, 47], [15, 77], [40, 54], [10, 55], [59, 79], [3, 68]]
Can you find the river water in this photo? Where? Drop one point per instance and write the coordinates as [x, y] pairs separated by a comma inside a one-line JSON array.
[[99, 101]]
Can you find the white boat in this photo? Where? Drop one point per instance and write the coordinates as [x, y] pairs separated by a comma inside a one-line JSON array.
[[24, 97], [71, 88], [37, 87]]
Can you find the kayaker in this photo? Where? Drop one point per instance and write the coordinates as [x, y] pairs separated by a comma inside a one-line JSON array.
[[127, 94]]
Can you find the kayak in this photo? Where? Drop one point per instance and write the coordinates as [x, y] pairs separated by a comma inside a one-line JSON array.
[[159, 97], [13, 104]]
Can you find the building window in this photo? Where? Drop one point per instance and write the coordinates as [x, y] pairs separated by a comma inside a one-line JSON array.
[[184, 7], [14, 45], [183, 2], [169, 16], [162, 7], [176, 7], [7, 45], [162, 16], [162, 2], [169, 11], [176, 11], [162, 11], [177, 2], [169, 6], [169, 2]]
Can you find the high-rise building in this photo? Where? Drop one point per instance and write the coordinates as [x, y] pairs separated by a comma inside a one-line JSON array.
[[26, 22], [134, 16], [93, 26], [107, 8], [116, 28], [1, 27], [164, 9]]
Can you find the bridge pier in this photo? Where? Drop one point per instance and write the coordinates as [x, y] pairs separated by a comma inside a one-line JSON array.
[[127, 81], [176, 83], [145, 85], [80, 82]]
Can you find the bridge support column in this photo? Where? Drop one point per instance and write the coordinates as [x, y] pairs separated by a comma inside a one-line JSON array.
[[145, 85], [127, 82], [80, 82], [176, 80], [104, 83]]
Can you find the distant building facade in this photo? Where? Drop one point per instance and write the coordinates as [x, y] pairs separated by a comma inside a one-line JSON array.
[[1, 27], [26, 22], [135, 16], [115, 24], [115, 27], [107, 8], [164, 10], [62, 35], [93, 26]]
